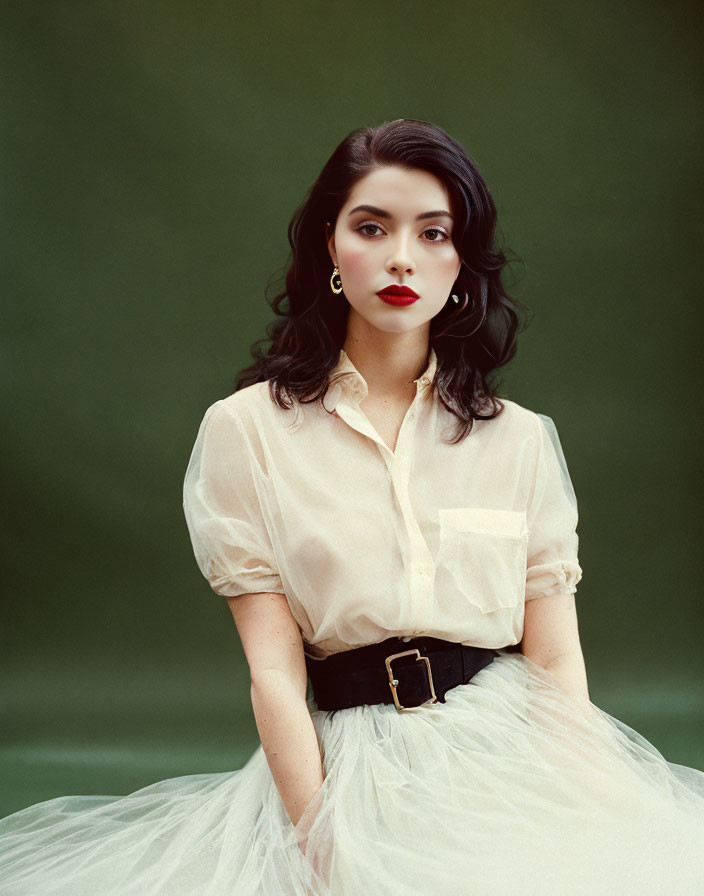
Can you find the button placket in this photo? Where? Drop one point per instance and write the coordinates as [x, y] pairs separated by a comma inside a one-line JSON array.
[[398, 462], [420, 564], [405, 435]]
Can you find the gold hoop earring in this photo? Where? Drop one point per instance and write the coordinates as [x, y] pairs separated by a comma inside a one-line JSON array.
[[336, 287]]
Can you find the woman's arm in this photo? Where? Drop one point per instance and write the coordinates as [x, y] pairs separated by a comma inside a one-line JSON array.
[[274, 649], [551, 639]]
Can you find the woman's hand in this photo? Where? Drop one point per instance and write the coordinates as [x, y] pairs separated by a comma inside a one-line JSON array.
[[319, 858]]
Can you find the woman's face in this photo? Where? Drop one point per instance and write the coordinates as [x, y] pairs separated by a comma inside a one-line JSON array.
[[403, 238]]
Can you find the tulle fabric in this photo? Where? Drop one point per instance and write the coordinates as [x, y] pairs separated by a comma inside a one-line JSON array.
[[509, 786]]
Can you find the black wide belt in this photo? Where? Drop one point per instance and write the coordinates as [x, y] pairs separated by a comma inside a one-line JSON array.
[[406, 673]]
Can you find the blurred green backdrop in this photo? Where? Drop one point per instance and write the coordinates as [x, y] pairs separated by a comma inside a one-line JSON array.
[[153, 155]]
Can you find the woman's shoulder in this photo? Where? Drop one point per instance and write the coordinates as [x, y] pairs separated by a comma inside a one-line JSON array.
[[517, 415], [255, 407], [246, 398], [527, 423]]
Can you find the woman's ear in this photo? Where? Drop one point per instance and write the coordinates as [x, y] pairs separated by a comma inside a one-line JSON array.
[[330, 237]]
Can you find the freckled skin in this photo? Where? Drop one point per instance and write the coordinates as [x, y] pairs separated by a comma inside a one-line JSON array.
[[399, 249]]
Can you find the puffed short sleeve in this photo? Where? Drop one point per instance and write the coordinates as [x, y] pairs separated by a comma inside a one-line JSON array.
[[223, 511], [553, 543]]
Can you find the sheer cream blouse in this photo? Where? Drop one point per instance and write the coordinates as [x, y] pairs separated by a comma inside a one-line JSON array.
[[434, 539]]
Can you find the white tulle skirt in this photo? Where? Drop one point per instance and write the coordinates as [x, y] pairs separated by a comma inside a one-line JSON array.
[[508, 787]]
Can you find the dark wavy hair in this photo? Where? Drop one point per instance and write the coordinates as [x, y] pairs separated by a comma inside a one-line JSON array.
[[470, 342]]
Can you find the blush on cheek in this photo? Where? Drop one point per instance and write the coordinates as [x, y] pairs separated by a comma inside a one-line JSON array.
[[355, 263]]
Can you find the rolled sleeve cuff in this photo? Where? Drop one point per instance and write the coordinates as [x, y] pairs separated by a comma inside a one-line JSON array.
[[559, 577]]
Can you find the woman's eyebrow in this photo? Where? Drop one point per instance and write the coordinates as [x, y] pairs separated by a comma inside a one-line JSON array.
[[380, 213]]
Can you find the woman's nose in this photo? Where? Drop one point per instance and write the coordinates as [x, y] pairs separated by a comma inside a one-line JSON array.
[[400, 258]]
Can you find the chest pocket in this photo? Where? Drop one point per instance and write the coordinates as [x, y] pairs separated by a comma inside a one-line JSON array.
[[485, 550]]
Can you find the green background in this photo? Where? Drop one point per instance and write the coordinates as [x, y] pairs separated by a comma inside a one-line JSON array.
[[153, 155]]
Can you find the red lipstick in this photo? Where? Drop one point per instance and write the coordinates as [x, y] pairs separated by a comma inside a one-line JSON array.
[[398, 295]]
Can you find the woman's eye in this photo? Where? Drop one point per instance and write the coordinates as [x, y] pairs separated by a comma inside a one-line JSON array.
[[437, 230], [364, 227]]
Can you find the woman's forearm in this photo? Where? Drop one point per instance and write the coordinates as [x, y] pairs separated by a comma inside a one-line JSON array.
[[288, 738], [571, 675]]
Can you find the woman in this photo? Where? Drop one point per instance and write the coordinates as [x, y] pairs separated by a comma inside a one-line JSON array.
[[379, 520]]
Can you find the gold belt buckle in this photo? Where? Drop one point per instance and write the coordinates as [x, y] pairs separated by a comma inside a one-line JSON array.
[[393, 681]]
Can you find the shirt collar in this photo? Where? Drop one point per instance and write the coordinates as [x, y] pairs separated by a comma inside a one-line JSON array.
[[346, 380]]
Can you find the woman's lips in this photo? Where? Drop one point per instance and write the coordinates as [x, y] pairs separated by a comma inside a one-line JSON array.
[[398, 295]]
